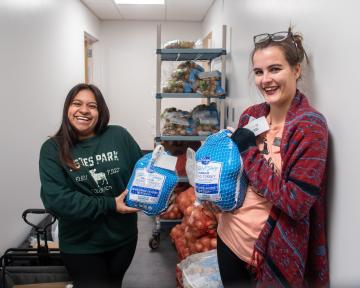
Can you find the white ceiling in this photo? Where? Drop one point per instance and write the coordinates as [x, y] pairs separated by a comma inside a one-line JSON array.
[[173, 10]]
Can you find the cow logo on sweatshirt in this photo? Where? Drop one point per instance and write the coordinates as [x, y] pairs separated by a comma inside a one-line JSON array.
[[99, 177]]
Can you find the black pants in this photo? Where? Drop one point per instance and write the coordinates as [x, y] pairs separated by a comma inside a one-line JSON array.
[[102, 270], [233, 270]]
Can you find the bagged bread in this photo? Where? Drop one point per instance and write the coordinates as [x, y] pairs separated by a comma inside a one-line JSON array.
[[180, 44]]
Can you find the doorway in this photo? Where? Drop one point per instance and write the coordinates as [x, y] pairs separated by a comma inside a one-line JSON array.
[[89, 40]]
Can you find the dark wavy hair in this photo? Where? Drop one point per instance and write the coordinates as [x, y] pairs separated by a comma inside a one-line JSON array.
[[67, 136]]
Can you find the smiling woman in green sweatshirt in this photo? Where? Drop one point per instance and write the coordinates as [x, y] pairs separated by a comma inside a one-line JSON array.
[[84, 170]]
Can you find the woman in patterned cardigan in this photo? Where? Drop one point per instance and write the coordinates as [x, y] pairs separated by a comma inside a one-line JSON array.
[[277, 238]]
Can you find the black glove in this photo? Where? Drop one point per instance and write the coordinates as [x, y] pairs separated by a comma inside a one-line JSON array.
[[244, 139]]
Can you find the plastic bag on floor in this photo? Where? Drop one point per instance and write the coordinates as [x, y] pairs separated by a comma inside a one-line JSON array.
[[219, 176], [201, 270], [152, 182]]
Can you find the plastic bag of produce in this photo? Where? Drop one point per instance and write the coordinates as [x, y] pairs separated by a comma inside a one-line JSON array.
[[187, 87], [174, 86], [190, 65], [175, 122], [201, 270], [218, 89], [210, 83], [179, 44], [205, 119], [152, 182], [219, 176], [210, 74]]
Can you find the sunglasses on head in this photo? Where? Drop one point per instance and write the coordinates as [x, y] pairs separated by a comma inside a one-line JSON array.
[[275, 37]]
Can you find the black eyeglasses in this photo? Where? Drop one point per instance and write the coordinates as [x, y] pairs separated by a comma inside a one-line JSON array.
[[275, 37]]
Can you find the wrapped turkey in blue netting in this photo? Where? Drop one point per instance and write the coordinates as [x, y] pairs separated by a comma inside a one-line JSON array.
[[150, 186], [219, 176]]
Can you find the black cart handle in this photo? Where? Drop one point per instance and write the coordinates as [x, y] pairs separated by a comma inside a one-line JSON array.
[[37, 211]]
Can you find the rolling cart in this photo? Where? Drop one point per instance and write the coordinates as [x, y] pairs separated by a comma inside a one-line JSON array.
[[33, 265], [154, 241]]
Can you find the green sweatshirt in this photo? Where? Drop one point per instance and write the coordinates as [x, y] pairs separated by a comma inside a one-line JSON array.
[[84, 199]]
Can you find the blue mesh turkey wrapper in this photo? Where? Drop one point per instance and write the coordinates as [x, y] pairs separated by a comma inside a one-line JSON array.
[[219, 174], [150, 186]]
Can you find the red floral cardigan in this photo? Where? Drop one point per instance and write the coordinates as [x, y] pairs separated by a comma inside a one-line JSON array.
[[293, 242]]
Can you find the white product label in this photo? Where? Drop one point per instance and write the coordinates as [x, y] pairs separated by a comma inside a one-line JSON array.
[[146, 187], [207, 179], [258, 126], [166, 161]]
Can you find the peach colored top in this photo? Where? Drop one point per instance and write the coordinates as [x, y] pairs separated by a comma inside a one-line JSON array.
[[240, 229]]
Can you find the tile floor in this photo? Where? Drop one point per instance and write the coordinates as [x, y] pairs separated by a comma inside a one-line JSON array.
[[152, 268]]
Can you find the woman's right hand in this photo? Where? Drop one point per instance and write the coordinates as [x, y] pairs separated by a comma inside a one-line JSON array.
[[121, 207]]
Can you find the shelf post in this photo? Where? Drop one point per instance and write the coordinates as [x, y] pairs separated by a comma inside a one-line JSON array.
[[223, 59], [158, 80], [222, 114]]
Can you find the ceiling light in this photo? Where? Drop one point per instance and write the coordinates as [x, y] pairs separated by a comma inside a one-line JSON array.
[[161, 2]]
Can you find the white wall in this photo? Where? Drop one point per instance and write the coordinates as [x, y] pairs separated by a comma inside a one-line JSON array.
[[41, 58], [126, 57], [330, 30]]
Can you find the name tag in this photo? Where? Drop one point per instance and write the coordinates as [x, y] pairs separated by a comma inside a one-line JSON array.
[[166, 162], [258, 126]]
